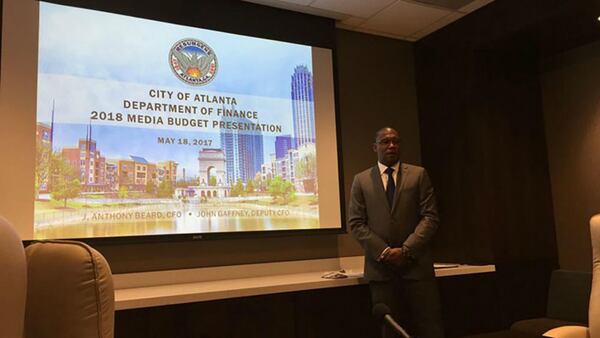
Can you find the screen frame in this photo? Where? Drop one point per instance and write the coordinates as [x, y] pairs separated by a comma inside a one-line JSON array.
[[212, 235]]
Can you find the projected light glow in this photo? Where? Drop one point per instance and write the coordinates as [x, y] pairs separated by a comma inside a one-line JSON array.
[[170, 129]]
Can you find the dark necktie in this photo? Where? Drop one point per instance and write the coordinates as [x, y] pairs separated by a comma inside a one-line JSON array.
[[391, 186]]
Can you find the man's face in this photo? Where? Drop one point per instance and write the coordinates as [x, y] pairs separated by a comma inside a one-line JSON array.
[[387, 146]]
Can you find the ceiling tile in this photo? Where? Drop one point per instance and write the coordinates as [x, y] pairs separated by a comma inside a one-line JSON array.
[[351, 21], [401, 19], [404, 19], [449, 4], [448, 19], [374, 32], [359, 8], [298, 2], [475, 5], [289, 5]]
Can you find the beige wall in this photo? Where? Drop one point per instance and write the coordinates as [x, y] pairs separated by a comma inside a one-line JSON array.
[[373, 92], [376, 85], [571, 96]]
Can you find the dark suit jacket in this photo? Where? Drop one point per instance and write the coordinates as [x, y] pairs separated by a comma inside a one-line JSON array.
[[412, 220]]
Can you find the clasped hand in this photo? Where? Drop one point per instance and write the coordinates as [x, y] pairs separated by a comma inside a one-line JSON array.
[[397, 258]]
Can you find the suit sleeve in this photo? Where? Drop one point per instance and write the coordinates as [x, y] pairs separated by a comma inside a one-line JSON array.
[[358, 222], [429, 219]]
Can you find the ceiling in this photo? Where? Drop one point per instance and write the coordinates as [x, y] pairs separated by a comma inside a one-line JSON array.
[[401, 19]]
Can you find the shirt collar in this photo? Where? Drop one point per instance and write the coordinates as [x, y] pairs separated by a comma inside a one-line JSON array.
[[383, 167]]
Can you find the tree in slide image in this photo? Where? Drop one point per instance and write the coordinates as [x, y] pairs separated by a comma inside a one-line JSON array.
[[281, 190], [65, 179], [165, 189]]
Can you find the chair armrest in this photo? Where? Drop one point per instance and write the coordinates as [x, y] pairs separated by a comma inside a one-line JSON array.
[[570, 331]]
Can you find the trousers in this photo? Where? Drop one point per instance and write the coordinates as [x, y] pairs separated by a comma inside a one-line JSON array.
[[414, 304]]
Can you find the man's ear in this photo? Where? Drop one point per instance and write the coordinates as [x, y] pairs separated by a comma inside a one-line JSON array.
[[375, 147]]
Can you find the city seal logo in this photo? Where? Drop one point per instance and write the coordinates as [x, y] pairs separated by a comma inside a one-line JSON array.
[[193, 62]]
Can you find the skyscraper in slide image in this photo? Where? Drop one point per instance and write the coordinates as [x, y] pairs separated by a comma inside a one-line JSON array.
[[303, 109], [243, 153]]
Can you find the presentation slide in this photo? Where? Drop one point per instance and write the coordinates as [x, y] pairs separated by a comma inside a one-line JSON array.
[[151, 128]]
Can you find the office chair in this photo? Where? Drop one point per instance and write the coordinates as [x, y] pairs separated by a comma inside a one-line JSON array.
[[13, 282], [593, 329], [70, 291]]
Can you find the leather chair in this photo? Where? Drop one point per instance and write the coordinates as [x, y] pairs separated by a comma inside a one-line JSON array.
[[593, 331], [13, 282], [568, 303], [70, 291]]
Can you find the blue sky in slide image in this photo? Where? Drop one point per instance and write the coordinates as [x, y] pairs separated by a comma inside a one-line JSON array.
[[108, 46]]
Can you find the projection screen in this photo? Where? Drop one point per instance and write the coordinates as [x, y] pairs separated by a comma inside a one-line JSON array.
[[134, 127]]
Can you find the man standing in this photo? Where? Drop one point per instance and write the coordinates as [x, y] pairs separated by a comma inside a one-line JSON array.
[[393, 215]]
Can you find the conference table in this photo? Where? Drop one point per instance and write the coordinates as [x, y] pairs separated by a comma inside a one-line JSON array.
[[171, 287]]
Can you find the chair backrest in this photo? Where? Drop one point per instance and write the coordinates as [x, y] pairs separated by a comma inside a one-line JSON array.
[[594, 312], [13, 282], [70, 291]]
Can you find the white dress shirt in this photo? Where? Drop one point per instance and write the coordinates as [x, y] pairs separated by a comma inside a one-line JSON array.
[[384, 175]]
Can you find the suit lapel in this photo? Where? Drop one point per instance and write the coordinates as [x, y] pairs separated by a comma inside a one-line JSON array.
[[402, 176], [378, 185]]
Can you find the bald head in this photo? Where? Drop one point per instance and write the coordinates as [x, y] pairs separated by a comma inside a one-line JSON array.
[[383, 130]]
